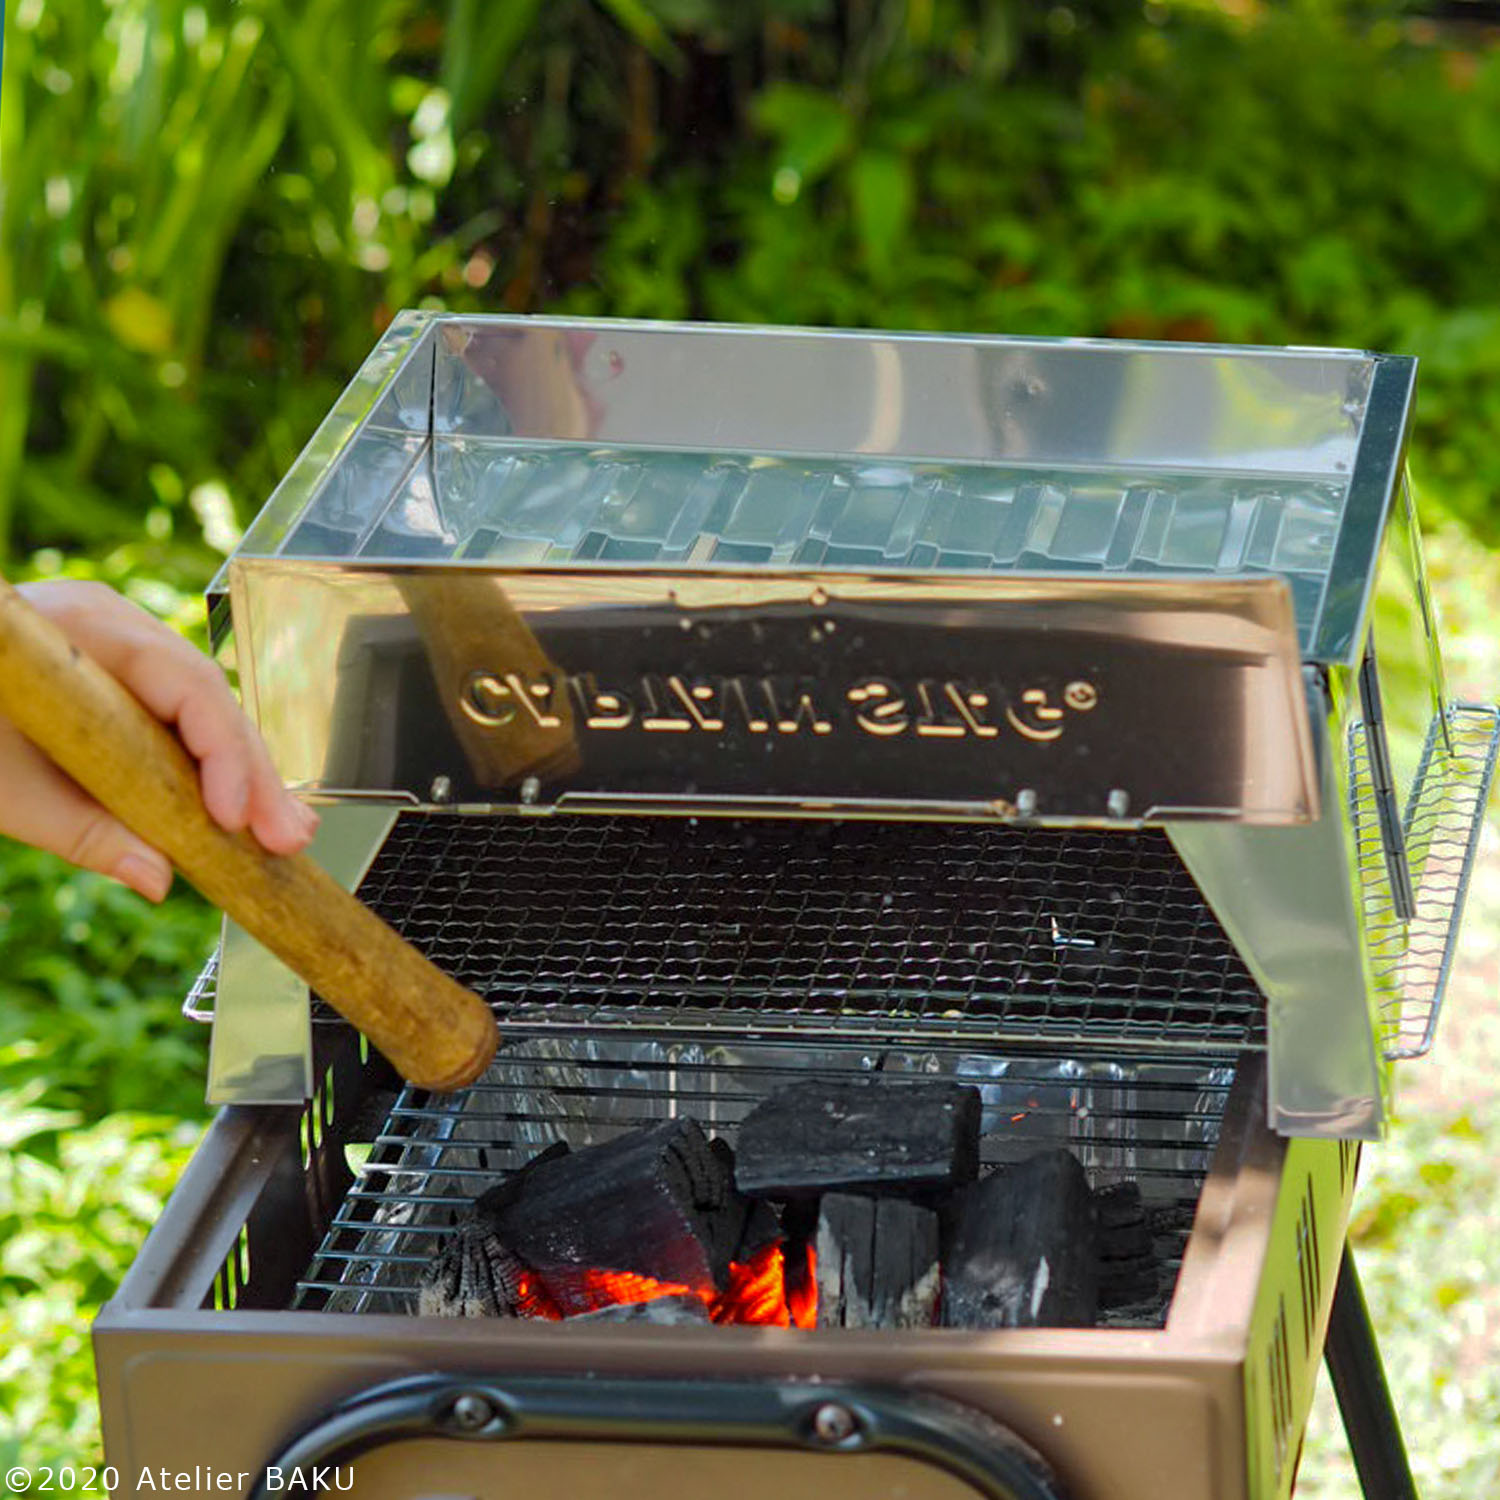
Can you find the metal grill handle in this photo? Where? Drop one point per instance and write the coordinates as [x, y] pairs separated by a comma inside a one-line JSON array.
[[822, 1418]]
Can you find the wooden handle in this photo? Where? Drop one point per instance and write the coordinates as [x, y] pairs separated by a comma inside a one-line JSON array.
[[435, 1032]]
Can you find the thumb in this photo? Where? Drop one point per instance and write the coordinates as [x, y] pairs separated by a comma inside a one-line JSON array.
[[40, 805]]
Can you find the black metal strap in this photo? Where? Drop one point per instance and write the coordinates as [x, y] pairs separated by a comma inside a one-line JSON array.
[[787, 1414], [1364, 1399]]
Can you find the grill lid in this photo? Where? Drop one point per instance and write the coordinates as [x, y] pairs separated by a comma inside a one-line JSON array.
[[533, 441], [579, 564]]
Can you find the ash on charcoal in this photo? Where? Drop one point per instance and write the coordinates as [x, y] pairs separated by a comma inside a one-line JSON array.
[[1024, 1249], [881, 1135], [668, 1312], [474, 1274], [877, 1263]]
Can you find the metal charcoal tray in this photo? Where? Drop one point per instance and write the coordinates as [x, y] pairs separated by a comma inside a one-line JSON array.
[[1155, 1125]]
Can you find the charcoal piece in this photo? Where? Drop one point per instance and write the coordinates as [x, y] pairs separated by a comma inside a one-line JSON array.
[[670, 1312], [1119, 1204], [1024, 1251], [877, 1261], [1124, 1230], [473, 1274], [880, 1135], [1123, 1283], [656, 1202], [1129, 1267], [762, 1227]]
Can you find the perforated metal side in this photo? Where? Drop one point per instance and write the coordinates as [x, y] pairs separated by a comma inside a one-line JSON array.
[[805, 928]]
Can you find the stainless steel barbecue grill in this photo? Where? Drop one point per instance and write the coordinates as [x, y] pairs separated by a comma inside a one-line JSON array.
[[740, 706]]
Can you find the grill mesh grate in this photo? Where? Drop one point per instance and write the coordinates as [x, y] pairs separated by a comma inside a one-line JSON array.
[[800, 927], [1155, 1124]]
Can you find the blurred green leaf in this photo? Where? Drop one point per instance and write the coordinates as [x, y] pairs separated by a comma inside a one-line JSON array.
[[812, 130], [881, 183], [636, 20], [139, 320]]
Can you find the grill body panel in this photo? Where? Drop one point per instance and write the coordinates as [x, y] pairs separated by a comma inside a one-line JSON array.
[[263, 1197]]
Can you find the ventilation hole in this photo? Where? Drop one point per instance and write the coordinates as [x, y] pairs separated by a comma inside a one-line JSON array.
[[1304, 1278], [1279, 1368], [1310, 1210]]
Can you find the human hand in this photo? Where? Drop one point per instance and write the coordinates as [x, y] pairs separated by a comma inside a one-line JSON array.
[[41, 805]]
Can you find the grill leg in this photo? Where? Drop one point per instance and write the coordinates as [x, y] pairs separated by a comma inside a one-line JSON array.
[[1364, 1400]]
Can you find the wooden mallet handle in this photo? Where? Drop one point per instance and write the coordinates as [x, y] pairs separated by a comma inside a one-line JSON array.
[[435, 1032]]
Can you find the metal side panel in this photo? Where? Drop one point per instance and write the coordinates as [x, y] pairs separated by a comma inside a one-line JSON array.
[[1292, 1307], [1290, 902], [261, 1051]]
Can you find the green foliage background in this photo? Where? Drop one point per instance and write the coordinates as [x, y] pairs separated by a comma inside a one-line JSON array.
[[210, 208]]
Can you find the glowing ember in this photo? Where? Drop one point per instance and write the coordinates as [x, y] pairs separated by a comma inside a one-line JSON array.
[[760, 1292], [802, 1292]]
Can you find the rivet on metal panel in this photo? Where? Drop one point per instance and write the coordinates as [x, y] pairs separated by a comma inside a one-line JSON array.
[[470, 1412], [834, 1424]]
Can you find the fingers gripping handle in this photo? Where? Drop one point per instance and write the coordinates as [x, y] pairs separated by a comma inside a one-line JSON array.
[[434, 1032]]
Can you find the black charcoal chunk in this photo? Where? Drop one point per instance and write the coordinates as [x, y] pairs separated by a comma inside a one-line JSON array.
[[877, 1263], [1127, 1283], [1124, 1230], [657, 1202], [473, 1275], [1024, 1249], [880, 1135]]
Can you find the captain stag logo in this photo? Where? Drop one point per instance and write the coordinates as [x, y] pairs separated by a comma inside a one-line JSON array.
[[931, 708]]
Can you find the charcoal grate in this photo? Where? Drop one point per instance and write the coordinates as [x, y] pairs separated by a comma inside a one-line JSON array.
[[1152, 1123], [798, 927]]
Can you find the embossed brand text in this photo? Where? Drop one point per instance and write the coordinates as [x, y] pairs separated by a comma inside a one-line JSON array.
[[934, 708]]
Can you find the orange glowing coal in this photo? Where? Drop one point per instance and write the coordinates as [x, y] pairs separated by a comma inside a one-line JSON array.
[[760, 1291]]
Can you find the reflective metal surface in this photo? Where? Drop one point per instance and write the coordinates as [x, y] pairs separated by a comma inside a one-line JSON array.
[[1289, 900], [1048, 700], [553, 566], [261, 1047], [485, 440], [1345, 609]]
